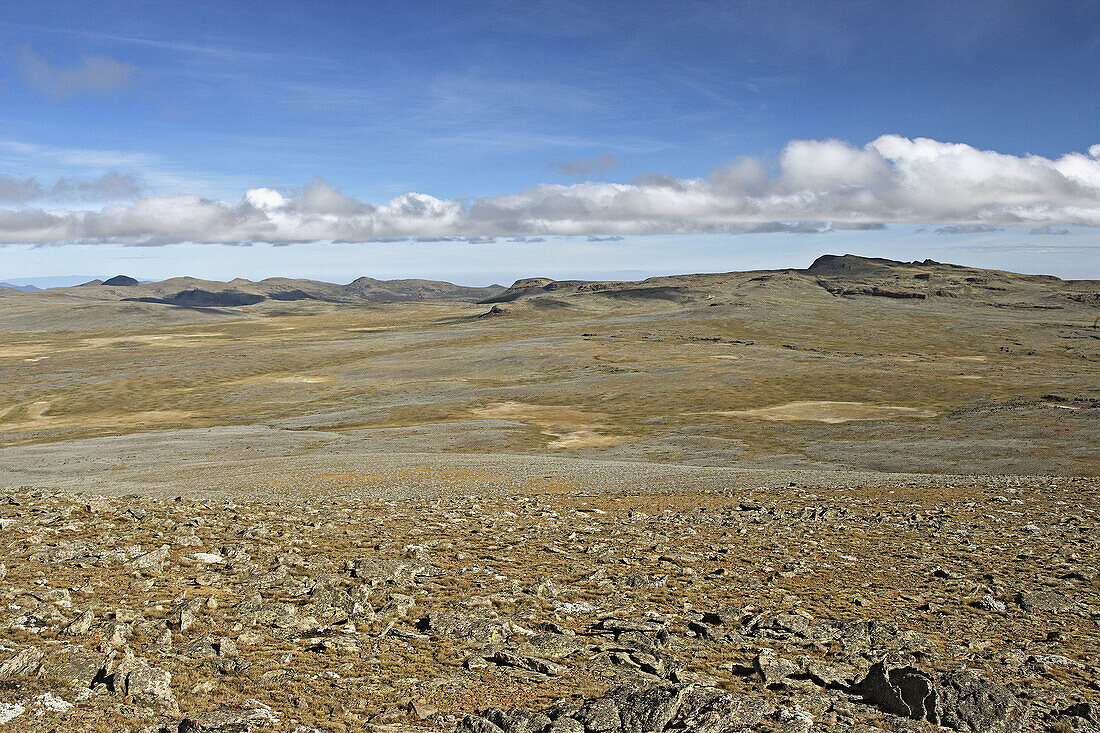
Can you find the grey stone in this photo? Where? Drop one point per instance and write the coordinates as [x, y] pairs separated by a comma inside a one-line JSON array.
[[81, 625], [150, 561], [1043, 601], [78, 669], [772, 668], [145, 681]]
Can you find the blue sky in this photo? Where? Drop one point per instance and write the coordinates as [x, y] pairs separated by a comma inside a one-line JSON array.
[[669, 124]]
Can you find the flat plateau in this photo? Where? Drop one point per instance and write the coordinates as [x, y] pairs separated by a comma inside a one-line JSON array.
[[857, 497]]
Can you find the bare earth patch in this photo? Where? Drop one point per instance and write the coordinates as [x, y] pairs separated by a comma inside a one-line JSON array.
[[302, 379], [173, 339], [829, 412], [22, 350], [570, 427]]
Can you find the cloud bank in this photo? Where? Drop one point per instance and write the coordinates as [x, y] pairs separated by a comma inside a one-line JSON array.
[[813, 186]]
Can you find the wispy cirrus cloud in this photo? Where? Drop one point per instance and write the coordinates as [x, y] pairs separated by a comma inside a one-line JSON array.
[[813, 186], [100, 75]]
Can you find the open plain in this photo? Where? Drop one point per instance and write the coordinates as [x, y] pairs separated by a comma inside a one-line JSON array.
[[860, 496]]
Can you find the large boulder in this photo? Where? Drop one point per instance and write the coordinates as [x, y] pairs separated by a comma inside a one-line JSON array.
[[959, 700]]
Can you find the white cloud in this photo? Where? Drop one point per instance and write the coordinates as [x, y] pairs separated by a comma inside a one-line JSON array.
[[829, 165], [814, 186]]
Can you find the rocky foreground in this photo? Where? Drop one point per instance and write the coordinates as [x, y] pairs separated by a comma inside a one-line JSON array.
[[973, 606]]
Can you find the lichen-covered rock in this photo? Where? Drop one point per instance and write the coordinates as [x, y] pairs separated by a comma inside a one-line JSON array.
[[966, 702], [466, 628], [1043, 601], [23, 664], [144, 681]]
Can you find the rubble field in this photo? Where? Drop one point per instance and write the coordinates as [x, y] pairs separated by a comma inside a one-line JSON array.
[[968, 604]]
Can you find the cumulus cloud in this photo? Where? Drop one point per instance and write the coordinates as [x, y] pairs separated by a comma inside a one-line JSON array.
[[111, 186], [585, 167], [95, 75], [811, 187]]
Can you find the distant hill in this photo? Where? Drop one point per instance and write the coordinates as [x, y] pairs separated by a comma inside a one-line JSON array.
[[830, 276], [121, 281], [22, 288]]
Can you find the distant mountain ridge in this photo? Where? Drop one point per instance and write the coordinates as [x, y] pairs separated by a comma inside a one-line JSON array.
[[195, 293], [830, 276]]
